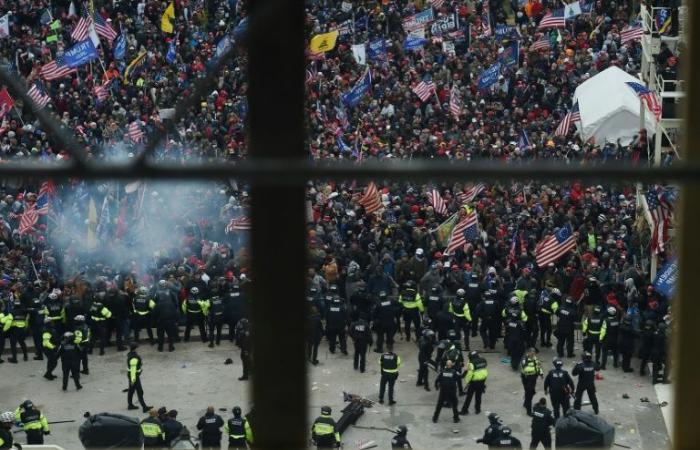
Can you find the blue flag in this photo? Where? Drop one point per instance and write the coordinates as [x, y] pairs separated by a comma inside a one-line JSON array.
[[172, 52], [241, 28], [79, 54], [505, 32], [376, 50], [414, 42], [223, 45], [120, 47], [342, 146], [489, 76], [45, 18], [665, 281], [362, 85], [510, 54]]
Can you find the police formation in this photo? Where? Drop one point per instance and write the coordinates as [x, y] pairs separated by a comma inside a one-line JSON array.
[[444, 328]]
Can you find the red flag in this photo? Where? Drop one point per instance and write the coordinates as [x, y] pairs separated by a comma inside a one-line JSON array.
[[6, 103]]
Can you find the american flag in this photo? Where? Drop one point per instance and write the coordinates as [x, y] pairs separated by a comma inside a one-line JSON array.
[[28, 220], [572, 116], [470, 193], [555, 246], [486, 21], [134, 132], [466, 229], [437, 3], [371, 200], [101, 91], [424, 90], [541, 44], [661, 210], [46, 191], [238, 224], [56, 69], [553, 19], [437, 202], [38, 95], [104, 29], [631, 33], [648, 97], [82, 29], [511, 252], [455, 101]]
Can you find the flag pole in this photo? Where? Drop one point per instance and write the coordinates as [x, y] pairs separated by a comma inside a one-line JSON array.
[[19, 115]]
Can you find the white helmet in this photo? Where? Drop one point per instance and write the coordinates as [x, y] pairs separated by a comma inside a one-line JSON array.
[[194, 291], [53, 296], [7, 417], [143, 290], [611, 310], [79, 318], [461, 292]]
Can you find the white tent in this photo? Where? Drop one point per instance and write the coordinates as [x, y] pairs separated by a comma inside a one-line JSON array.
[[610, 108]]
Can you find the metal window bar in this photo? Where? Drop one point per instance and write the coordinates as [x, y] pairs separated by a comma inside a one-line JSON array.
[[276, 71]]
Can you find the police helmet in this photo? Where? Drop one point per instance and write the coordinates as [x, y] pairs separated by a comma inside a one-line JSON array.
[[333, 288], [473, 354], [435, 290], [402, 430], [236, 411], [326, 410], [558, 363], [587, 356], [143, 290], [382, 294], [194, 291], [569, 300], [505, 431], [410, 284], [461, 292], [162, 283], [555, 294], [313, 290], [27, 405], [53, 296], [513, 300], [68, 335], [79, 318], [596, 309], [428, 332], [493, 417], [7, 417], [611, 310]]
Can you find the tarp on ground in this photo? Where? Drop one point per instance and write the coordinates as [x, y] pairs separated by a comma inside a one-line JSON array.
[[107, 430], [579, 429], [610, 108]]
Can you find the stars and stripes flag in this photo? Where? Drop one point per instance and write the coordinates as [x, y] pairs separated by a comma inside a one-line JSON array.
[[38, 95], [438, 203], [455, 101], [437, 3], [513, 244], [541, 44], [470, 193], [571, 117], [631, 33], [134, 131], [242, 223], [104, 29], [555, 246], [424, 90], [101, 91], [56, 69], [647, 97], [486, 20], [29, 218], [466, 229], [661, 210], [46, 191], [82, 29], [370, 199], [553, 19]]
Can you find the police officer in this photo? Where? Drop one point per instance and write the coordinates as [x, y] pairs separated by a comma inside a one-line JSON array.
[[627, 337], [487, 309], [459, 308], [245, 345], [530, 369], [54, 311], [594, 329], [69, 352], [141, 315], [18, 330], [336, 323], [165, 317], [453, 352], [151, 427], [237, 428], [134, 367], [216, 319], [514, 339], [476, 376], [473, 293], [389, 364], [412, 308], [362, 337], [360, 301], [434, 302], [36, 311], [315, 335], [645, 345], [566, 316], [209, 426], [33, 422], [542, 422], [171, 426], [5, 324], [7, 440], [612, 335], [49, 344], [75, 307], [585, 370], [448, 381], [195, 310], [559, 384], [506, 440], [444, 322], [83, 338], [400, 441], [115, 301], [426, 345], [386, 321], [515, 309], [659, 355], [315, 300], [99, 314], [236, 307], [324, 432], [492, 432], [530, 308], [548, 306]]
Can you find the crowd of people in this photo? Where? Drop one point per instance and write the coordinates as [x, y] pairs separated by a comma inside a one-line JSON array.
[[67, 297]]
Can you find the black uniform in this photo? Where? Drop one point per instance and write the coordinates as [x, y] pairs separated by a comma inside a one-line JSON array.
[[559, 384], [434, 303], [531, 325], [385, 322], [595, 327], [491, 433], [236, 308], [36, 323], [216, 319], [449, 381], [444, 322], [141, 317], [586, 382], [210, 430], [85, 344], [134, 368], [336, 322], [426, 345], [645, 344], [514, 340], [542, 421], [400, 441], [314, 337], [507, 442], [362, 338], [243, 342], [659, 355], [116, 302], [70, 354], [194, 315], [50, 342], [473, 292], [548, 305], [165, 317], [18, 333], [235, 427], [462, 317], [98, 320], [389, 364], [488, 309], [565, 329], [610, 342], [627, 337], [7, 439]]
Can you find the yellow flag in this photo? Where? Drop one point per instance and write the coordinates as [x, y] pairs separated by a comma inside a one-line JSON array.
[[134, 65], [323, 42], [92, 225], [165, 22]]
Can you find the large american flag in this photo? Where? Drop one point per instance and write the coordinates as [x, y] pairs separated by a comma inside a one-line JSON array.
[[134, 131], [466, 229], [486, 20], [571, 117], [648, 97], [513, 244], [470, 193], [104, 29], [541, 44], [238, 224], [424, 90], [553, 19], [438, 203], [38, 95], [661, 210], [101, 91], [371, 200], [46, 191], [455, 101], [82, 29], [56, 69], [437, 3], [28, 220], [631, 33], [555, 246]]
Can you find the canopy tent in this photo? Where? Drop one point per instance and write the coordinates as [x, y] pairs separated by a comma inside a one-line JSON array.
[[610, 108]]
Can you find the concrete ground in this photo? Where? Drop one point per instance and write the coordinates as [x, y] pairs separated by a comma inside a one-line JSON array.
[[194, 376]]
